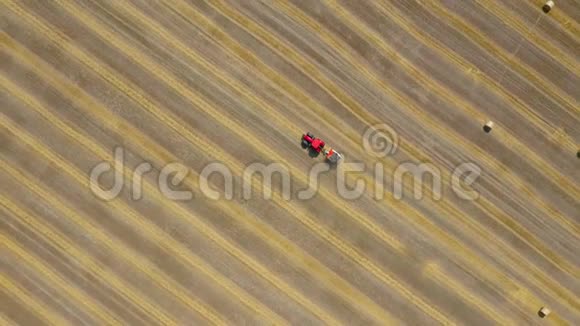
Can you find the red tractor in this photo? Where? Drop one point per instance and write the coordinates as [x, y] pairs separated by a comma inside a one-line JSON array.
[[309, 141], [317, 145]]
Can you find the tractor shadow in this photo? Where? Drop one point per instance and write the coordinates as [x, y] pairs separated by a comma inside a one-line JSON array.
[[312, 153], [333, 166]]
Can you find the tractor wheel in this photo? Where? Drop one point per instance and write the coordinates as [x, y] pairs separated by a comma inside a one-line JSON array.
[[310, 135]]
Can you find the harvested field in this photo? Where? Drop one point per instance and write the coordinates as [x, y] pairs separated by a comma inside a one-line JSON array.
[[233, 83]]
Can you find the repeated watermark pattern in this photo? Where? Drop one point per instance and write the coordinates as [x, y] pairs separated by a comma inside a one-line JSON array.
[[379, 141]]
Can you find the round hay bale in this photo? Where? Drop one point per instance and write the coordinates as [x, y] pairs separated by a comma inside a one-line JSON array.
[[548, 6], [488, 126], [544, 312]]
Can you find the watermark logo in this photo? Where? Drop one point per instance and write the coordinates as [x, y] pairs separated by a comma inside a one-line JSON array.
[[353, 179], [380, 140]]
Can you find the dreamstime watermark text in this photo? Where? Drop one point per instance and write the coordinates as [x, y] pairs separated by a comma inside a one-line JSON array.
[[175, 180]]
